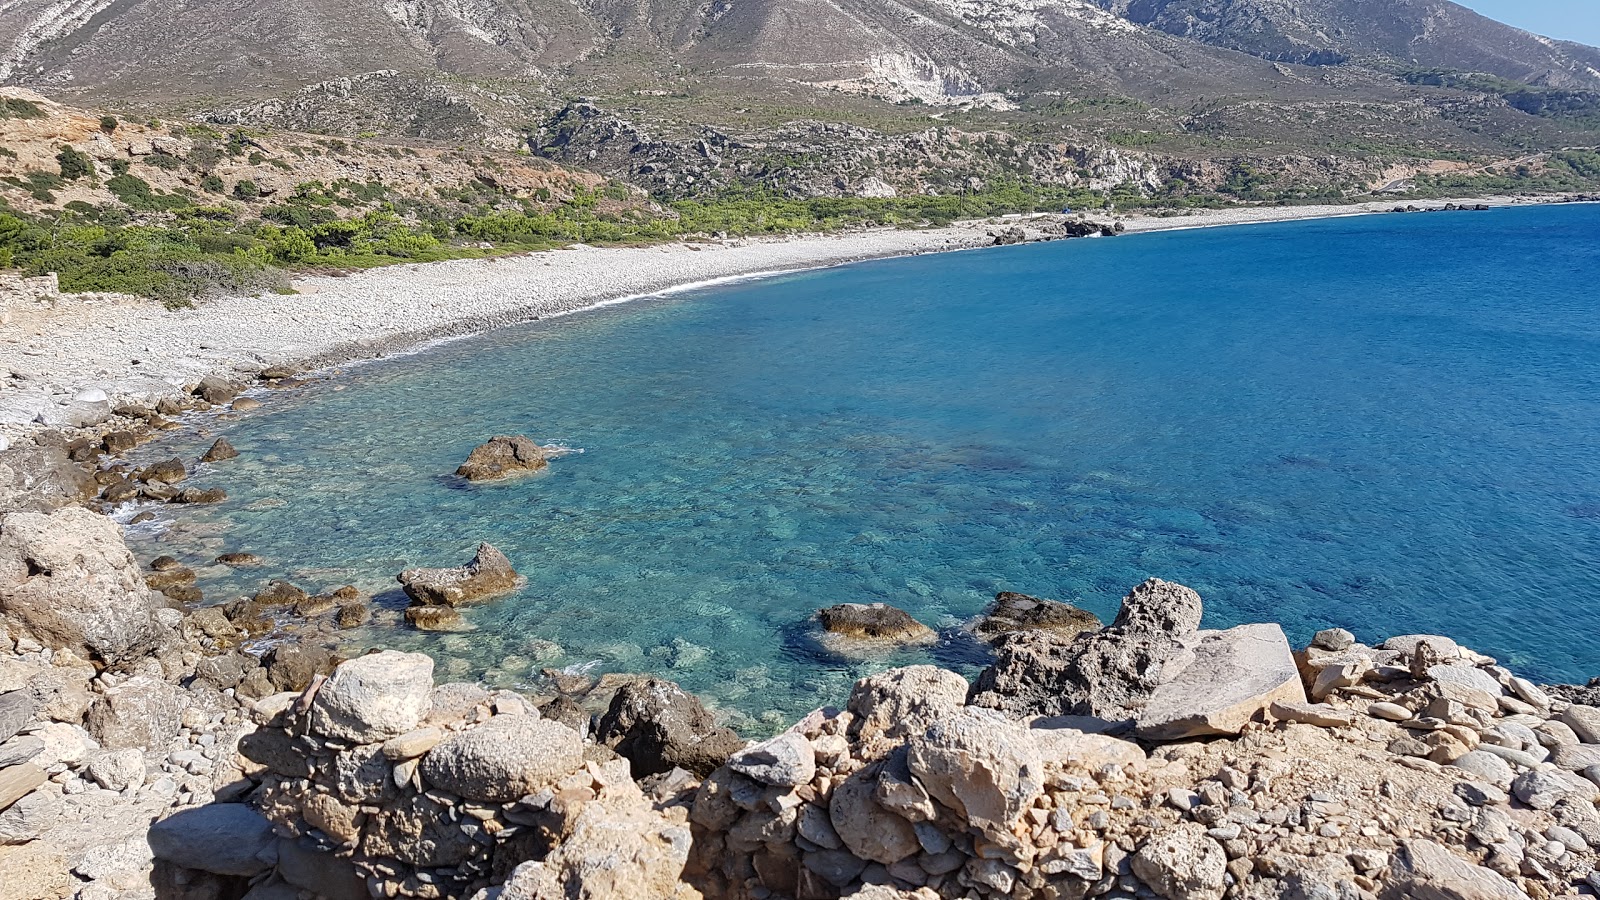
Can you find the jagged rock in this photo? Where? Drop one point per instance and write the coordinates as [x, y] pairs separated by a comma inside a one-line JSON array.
[[278, 593], [657, 726], [870, 831], [117, 443], [220, 450], [504, 758], [982, 765], [784, 761], [215, 391], [1424, 870], [353, 614], [904, 702], [42, 480], [374, 697], [1333, 639], [200, 495], [488, 574], [115, 770], [168, 471], [20, 750], [1182, 863], [503, 457], [1407, 644], [16, 710], [1019, 612], [142, 712], [68, 579], [1109, 673], [1234, 675], [874, 622], [223, 838]]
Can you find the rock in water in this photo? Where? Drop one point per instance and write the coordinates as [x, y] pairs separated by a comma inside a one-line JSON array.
[[657, 725], [488, 574], [219, 451], [216, 391], [873, 621], [1013, 612], [503, 457], [1235, 675]]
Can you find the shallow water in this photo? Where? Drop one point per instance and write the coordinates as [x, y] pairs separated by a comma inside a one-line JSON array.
[[1386, 423]]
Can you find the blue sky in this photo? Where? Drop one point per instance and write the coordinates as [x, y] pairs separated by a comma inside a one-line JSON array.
[[1573, 20]]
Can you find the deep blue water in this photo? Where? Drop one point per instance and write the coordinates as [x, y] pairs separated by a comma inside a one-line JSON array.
[[1386, 423]]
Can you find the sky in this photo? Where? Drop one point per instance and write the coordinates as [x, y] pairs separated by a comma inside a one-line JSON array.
[[1572, 20]]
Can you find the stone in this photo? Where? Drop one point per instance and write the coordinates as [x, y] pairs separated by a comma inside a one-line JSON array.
[[784, 761], [658, 726], [1333, 639], [220, 450], [873, 622], [1109, 673], [866, 828], [619, 848], [200, 495], [223, 838], [436, 618], [1577, 756], [28, 819], [215, 391], [1584, 720], [18, 781], [16, 710], [1407, 644], [122, 865], [245, 404], [353, 614], [1235, 675], [119, 442], [374, 697], [1182, 863], [902, 702], [293, 666], [1019, 612], [981, 764], [503, 759], [167, 471], [1469, 677], [325, 875], [68, 580], [487, 575], [141, 713], [240, 560], [1544, 788], [1392, 712], [503, 457], [1320, 714], [117, 770], [412, 744], [42, 480], [1424, 870], [20, 750]]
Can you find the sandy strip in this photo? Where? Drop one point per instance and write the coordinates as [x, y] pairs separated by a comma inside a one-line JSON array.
[[140, 352]]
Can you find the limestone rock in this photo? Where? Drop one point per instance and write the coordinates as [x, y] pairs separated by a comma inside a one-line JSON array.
[[1058, 741], [657, 726], [487, 575], [374, 697], [42, 480], [215, 391], [140, 713], [619, 848], [784, 761], [17, 782], [116, 770], [68, 579], [1235, 675], [503, 759], [1584, 721], [981, 764], [866, 828], [1424, 870], [873, 622], [1020, 612], [503, 457], [223, 838], [1182, 863], [220, 450], [903, 702], [16, 710]]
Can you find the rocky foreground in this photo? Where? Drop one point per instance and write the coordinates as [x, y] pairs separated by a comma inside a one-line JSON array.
[[142, 755]]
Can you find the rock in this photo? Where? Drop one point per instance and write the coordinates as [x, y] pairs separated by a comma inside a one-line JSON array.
[[278, 593], [1059, 741], [488, 574], [293, 666], [374, 697], [116, 770], [245, 404], [1584, 721], [20, 750], [42, 480], [904, 702], [169, 471], [1020, 612], [657, 726], [1424, 870], [436, 618], [1469, 677], [1235, 675], [981, 764], [1544, 788], [1407, 644], [117, 443], [866, 828], [353, 614], [200, 495], [68, 580], [412, 744], [784, 761], [1109, 673], [874, 622], [1333, 639], [220, 450], [18, 781], [223, 838], [16, 710], [141, 713], [121, 865], [1320, 714], [325, 875], [28, 819], [1182, 863], [215, 391], [503, 759], [619, 848], [75, 414], [1392, 712], [503, 457]]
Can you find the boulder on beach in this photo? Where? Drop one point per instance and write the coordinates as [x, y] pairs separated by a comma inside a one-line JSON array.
[[487, 575], [216, 391], [1012, 612], [42, 479], [873, 622], [503, 457]]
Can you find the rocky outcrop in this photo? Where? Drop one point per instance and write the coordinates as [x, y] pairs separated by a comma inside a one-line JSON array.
[[1013, 612], [874, 622], [503, 457], [1234, 676], [657, 726], [42, 479], [489, 574], [68, 580]]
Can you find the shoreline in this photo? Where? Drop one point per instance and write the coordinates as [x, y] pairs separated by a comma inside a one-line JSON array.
[[138, 352]]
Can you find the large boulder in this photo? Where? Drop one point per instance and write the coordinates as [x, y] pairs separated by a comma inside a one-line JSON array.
[[487, 575], [223, 838], [902, 702], [866, 828], [1012, 612], [141, 713], [1235, 674], [873, 622], [374, 697], [657, 726], [1108, 673], [1183, 863], [503, 457], [503, 759], [68, 579], [1423, 870], [981, 764], [619, 848], [42, 479]]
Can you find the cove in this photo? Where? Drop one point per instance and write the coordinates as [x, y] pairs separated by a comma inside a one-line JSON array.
[[1386, 423]]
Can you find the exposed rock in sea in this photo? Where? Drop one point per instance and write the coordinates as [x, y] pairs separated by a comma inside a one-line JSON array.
[[657, 726], [220, 450], [216, 391], [1013, 612], [873, 622], [488, 574], [503, 457]]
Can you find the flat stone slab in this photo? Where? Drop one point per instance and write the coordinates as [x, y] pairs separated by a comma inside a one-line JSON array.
[[17, 782], [1235, 675]]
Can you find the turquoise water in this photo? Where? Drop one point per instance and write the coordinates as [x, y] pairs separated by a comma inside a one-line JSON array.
[[1390, 424]]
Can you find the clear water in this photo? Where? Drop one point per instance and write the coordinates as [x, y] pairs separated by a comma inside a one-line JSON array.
[[1390, 424]]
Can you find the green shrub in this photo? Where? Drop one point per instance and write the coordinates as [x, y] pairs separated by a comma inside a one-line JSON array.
[[17, 108], [247, 190], [212, 183], [74, 163], [120, 166], [108, 124]]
